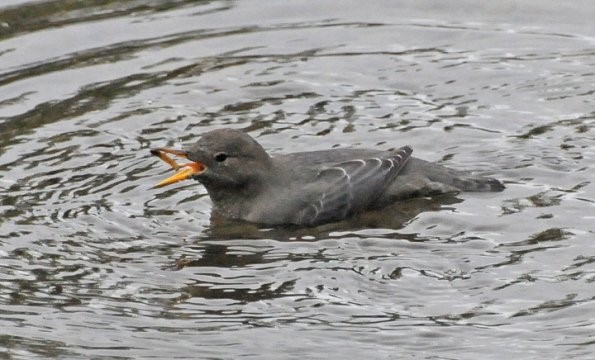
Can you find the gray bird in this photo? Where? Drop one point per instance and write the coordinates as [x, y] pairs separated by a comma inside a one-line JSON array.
[[309, 188]]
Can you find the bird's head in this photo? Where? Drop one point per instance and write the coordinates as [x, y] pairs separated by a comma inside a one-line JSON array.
[[223, 158]]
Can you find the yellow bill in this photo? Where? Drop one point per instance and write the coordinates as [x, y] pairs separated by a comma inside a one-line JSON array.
[[184, 171]]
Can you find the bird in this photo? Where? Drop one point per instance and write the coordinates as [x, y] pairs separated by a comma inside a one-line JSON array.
[[308, 188]]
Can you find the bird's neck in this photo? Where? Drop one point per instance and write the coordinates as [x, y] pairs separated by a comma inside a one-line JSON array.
[[233, 202]]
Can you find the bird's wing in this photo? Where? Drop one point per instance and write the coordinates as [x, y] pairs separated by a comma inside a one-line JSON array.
[[346, 187]]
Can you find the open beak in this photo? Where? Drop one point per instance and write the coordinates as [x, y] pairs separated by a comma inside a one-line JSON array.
[[184, 171]]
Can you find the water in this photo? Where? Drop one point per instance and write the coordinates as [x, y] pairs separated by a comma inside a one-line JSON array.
[[95, 263]]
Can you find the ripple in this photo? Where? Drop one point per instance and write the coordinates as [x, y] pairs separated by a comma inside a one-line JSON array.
[[97, 263]]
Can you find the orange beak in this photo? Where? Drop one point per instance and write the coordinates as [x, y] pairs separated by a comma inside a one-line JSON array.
[[184, 171]]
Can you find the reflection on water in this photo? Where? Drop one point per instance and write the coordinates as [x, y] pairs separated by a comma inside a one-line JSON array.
[[97, 263]]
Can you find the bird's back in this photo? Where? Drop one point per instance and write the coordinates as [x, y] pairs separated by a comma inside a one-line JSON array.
[[322, 186], [328, 157]]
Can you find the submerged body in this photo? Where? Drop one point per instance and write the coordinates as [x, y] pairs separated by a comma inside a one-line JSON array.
[[311, 188]]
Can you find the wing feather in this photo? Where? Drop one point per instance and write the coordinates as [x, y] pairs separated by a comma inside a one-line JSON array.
[[350, 186]]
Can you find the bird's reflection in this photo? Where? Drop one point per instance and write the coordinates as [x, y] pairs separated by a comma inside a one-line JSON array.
[[216, 250]]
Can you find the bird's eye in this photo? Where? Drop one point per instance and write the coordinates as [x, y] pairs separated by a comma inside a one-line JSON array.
[[220, 157]]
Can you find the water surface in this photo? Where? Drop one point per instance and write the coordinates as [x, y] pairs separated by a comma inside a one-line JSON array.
[[96, 263]]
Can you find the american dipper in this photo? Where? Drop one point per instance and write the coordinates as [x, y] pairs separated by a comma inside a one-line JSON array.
[[309, 188]]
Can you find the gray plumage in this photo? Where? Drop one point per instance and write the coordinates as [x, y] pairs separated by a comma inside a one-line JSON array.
[[311, 188]]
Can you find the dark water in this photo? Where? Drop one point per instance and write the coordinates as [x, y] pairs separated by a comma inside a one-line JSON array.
[[95, 263]]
